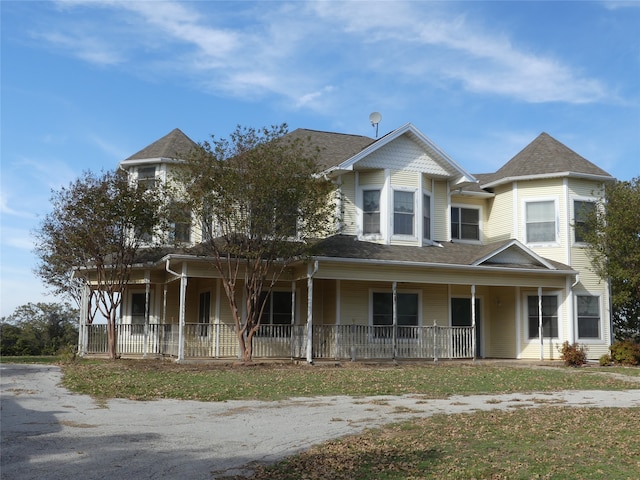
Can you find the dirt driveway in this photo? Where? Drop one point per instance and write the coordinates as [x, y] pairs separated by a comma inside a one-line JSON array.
[[50, 433]]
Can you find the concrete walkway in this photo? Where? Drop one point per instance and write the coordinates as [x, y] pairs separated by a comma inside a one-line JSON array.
[[50, 433]]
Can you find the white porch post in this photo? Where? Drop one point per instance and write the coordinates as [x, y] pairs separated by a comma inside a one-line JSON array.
[[292, 336], [540, 323], [83, 328], [338, 321], [147, 286], [183, 295], [473, 321], [311, 269], [394, 317], [217, 320]]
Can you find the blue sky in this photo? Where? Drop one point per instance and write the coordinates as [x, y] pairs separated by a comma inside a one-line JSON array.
[[85, 84]]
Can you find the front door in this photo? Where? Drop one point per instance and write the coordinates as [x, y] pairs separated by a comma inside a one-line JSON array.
[[461, 317]]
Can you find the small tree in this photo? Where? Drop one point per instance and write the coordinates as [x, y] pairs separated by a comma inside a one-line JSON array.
[[95, 229], [612, 233], [261, 202]]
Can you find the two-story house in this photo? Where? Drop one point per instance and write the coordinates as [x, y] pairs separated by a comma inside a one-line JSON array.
[[427, 261]]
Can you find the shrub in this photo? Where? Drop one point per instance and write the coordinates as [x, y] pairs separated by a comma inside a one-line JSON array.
[[625, 352], [573, 355], [605, 360]]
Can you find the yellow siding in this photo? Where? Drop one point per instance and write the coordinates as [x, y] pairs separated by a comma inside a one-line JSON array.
[[405, 178], [348, 196], [375, 177], [441, 211], [499, 214]]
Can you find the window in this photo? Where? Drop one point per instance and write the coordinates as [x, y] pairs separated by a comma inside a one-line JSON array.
[[371, 211], [426, 217], [581, 211], [588, 316], [277, 311], [402, 213], [204, 309], [465, 223], [549, 316], [382, 314], [181, 215], [138, 312], [541, 221], [147, 176]]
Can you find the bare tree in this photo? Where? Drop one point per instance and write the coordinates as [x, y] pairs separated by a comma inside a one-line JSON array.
[[95, 229], [261, 203]]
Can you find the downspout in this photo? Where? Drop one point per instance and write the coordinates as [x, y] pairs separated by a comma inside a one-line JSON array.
[[311, 271], [571, 310]]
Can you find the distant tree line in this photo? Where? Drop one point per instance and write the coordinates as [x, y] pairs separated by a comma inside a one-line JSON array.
[[39, 329]]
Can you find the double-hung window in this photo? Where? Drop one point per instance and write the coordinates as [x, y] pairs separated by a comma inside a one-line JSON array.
[[588, 316], [465, 223], [382, 314], [426, 217], [371, 212], [276, 311], [581, 211], [204, 309], [147, 176], [541, 221], [403, 213], [138, 309], [549, 316]]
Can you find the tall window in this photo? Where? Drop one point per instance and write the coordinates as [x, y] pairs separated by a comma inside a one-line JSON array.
[[581, 211], [549, 316], [147, 176], [371, 211], [181, 222], [204, 309], [541, 221], [465, 223], [382, 314], [138, 312], [277, 309], [588, 316], [402, 213], [426, 217]]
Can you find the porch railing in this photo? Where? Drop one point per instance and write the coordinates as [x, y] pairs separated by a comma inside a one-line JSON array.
[[356, 342]]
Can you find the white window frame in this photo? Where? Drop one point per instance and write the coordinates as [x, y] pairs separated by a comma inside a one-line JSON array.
[[573, 201], [592, 340], [209, 324], [129, 308], [383, 212], [525, 316], [389, 291], [480, 226], [556, 231], [404, 236], [422, 212]]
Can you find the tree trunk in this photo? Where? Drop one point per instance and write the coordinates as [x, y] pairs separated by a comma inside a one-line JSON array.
[[112, 336]]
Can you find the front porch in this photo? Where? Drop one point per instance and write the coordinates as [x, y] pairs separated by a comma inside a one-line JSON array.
[[327, 342]]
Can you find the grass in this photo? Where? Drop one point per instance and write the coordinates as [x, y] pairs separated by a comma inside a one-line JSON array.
[[148, 380], [46, 359], [550, 442]]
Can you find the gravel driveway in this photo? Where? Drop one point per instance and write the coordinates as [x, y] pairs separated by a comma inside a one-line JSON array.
[[50, 433]]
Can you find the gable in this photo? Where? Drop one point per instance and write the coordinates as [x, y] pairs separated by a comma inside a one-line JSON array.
[[513, 253], [405, 154]]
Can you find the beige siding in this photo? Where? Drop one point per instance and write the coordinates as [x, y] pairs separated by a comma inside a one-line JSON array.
[[499, 225], [405, 178], [441, 211], [375, 177], [348, 199]]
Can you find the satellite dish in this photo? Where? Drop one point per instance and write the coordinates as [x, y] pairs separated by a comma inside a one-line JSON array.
[[375, 118]]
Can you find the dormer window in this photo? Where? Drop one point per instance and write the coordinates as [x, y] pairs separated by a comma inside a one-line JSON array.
[[371, 212], [403, 213], [465, 223]]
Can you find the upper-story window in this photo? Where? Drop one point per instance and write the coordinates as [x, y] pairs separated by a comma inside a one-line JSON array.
[[147, 176], [541, 221], [403, 213], [582, 209], [426, 217], [371, 212], [465, 223], [180, 222]]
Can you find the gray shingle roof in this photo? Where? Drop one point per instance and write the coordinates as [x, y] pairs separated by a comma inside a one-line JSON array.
[[334, 147], [544, 156], [173, 145], [448, 253]]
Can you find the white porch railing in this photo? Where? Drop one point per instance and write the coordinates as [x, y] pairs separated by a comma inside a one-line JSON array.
[[355, 342]]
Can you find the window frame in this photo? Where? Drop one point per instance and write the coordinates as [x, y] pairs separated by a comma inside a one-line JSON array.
[[591, 200], [528, 317], [261, 333], [427, 217], [598, 299], [204, 328], [137, 327], [365, 189], [374, 331], [405, 236], [556, 222], [147, 180], [461, 207]]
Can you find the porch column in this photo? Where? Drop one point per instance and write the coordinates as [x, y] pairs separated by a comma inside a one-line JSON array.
[[394, 318], [292, 336], [540, 323], [183, 294], [311, 270], [337, 336], [217, 320], [473, 321], [83, 332], [145, 337]]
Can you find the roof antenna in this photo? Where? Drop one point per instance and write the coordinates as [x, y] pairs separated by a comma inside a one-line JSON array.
[[375, 118]]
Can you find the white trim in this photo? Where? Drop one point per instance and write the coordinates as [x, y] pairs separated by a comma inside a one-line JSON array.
[[378, 289], [392, 210], [461, 206], [572, 217], [556, 241], [560, 314], [590, 341]]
